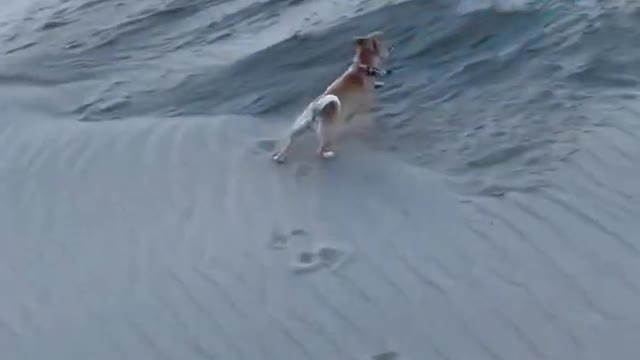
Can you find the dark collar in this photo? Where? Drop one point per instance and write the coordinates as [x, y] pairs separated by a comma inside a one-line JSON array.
[[371, 70]]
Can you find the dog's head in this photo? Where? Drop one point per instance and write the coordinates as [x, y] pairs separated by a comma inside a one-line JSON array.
[[372, 48]]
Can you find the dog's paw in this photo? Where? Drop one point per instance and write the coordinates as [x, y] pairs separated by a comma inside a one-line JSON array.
[[327, 154], [279, 158]]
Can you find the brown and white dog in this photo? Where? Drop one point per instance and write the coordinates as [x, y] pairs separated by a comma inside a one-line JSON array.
[[349, 95]]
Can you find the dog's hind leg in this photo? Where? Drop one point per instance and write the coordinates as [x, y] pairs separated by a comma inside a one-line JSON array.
[[327, 116], [301, 125], [325, 143], [318, 114], [281, 155]]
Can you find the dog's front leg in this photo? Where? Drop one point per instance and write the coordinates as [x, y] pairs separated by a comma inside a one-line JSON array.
[[366, 113], [366, 122]]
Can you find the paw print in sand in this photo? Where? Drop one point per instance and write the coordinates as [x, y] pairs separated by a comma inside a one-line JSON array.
[[321, 255], [324, 255]]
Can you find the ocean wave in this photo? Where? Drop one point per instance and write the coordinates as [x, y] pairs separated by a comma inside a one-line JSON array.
[[461, 67]]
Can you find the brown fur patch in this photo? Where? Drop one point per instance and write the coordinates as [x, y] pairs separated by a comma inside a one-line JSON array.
[[348, 82]]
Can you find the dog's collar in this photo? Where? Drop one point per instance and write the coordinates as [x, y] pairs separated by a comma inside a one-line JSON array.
[[372, 70]]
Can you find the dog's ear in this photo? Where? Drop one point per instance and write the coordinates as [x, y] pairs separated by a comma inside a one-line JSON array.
[[378, 35], [370, 40]]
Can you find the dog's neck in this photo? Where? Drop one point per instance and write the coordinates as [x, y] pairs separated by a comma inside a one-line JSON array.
[[366, 65]]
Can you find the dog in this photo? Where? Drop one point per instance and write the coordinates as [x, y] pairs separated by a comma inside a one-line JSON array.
[[349, 95]]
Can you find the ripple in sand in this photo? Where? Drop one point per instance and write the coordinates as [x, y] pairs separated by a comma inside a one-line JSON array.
[[267, 144], [389, 355], [299, 232]]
